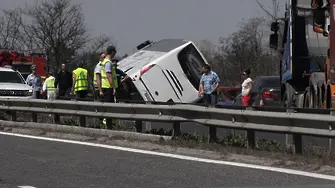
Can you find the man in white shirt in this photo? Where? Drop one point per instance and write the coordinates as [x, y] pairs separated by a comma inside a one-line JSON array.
[[97, 77]]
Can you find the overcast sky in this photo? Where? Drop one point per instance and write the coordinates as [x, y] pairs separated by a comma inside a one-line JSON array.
[[131, 22]]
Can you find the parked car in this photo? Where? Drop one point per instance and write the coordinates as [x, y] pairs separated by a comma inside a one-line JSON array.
[[265, 92], [12, 84], [227, 94]]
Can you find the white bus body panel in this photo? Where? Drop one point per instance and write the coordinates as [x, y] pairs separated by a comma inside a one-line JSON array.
[[166, 80]]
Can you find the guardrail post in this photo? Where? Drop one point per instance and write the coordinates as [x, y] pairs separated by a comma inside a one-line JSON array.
[[176, 129], [332, 113], [56, 119], [82, 121], [138, 125], [297, 139], [147, 126], [251, 138], [330, 140], [13, 115], [212, 134], [34, 117], [287, 136]]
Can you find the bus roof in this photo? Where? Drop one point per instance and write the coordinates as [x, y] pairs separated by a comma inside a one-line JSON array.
[[148, 54]]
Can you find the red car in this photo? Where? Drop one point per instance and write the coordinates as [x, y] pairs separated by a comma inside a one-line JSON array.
[[227, 94]]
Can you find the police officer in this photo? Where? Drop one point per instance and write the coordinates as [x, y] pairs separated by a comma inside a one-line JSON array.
[[108, 80], [35, 81], [80, 81], [108, 76]]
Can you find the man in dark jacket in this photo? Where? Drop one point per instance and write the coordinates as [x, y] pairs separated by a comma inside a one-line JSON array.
[[64, 82], [123, 88]]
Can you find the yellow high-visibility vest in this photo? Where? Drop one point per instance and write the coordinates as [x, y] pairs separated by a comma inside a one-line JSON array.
[[81, 79], [104, 79], [50, 83]]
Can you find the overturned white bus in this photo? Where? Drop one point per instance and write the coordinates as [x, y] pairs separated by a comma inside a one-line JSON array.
[[165, 71]]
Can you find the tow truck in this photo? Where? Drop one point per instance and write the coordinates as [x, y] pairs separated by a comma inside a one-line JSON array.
[[22, 63], [307, 50]]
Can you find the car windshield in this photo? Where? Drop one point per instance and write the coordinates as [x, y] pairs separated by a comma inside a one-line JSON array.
[[10, 77]]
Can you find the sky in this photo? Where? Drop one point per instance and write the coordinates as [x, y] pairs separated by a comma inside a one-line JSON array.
[[131, 22]]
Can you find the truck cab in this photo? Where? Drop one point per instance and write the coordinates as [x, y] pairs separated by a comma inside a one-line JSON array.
[[305, 34]]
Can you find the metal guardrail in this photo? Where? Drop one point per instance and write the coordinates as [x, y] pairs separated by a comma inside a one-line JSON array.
[[233, 107], [288, 122]]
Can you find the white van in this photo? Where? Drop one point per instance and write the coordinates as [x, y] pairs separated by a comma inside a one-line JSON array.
[[166, 71]]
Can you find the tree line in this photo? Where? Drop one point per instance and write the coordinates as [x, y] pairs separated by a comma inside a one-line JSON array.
[[54, 27], [246, 48], [57, 28]]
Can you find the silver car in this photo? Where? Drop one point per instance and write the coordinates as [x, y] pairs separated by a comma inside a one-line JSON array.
[[13, 85]]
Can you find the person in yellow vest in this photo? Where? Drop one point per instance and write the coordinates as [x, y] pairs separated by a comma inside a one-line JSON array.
[[97, 77], [49, 87], [80, 81], [108, 86]]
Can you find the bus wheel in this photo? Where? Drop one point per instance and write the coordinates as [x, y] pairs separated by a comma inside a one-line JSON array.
[[285, 101]]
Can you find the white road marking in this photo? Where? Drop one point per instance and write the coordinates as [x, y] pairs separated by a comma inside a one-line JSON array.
[[182, 157], [25, 186]]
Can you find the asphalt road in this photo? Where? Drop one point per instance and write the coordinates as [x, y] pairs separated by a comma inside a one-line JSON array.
[[195, 128], [44, 164]]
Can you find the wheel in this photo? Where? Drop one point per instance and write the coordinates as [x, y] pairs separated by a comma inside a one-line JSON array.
[[287, 97], [312, 98], [285, 102], [320, 97], [328, 98], [316, 81]]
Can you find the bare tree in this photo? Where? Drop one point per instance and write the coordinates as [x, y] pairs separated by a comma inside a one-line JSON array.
[[99, 43], [246, 48], [9, 30], [275, 9], [214, 58], [90, 53], [207, 49], [55, 26]]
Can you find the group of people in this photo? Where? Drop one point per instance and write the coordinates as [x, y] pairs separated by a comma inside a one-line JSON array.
[[63, 81], [106, 80], [209, 87]]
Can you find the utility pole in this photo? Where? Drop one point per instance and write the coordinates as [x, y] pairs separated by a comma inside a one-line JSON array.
[[275, 9]]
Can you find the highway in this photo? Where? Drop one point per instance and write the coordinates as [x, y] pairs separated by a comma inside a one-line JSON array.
[[49, 164]]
